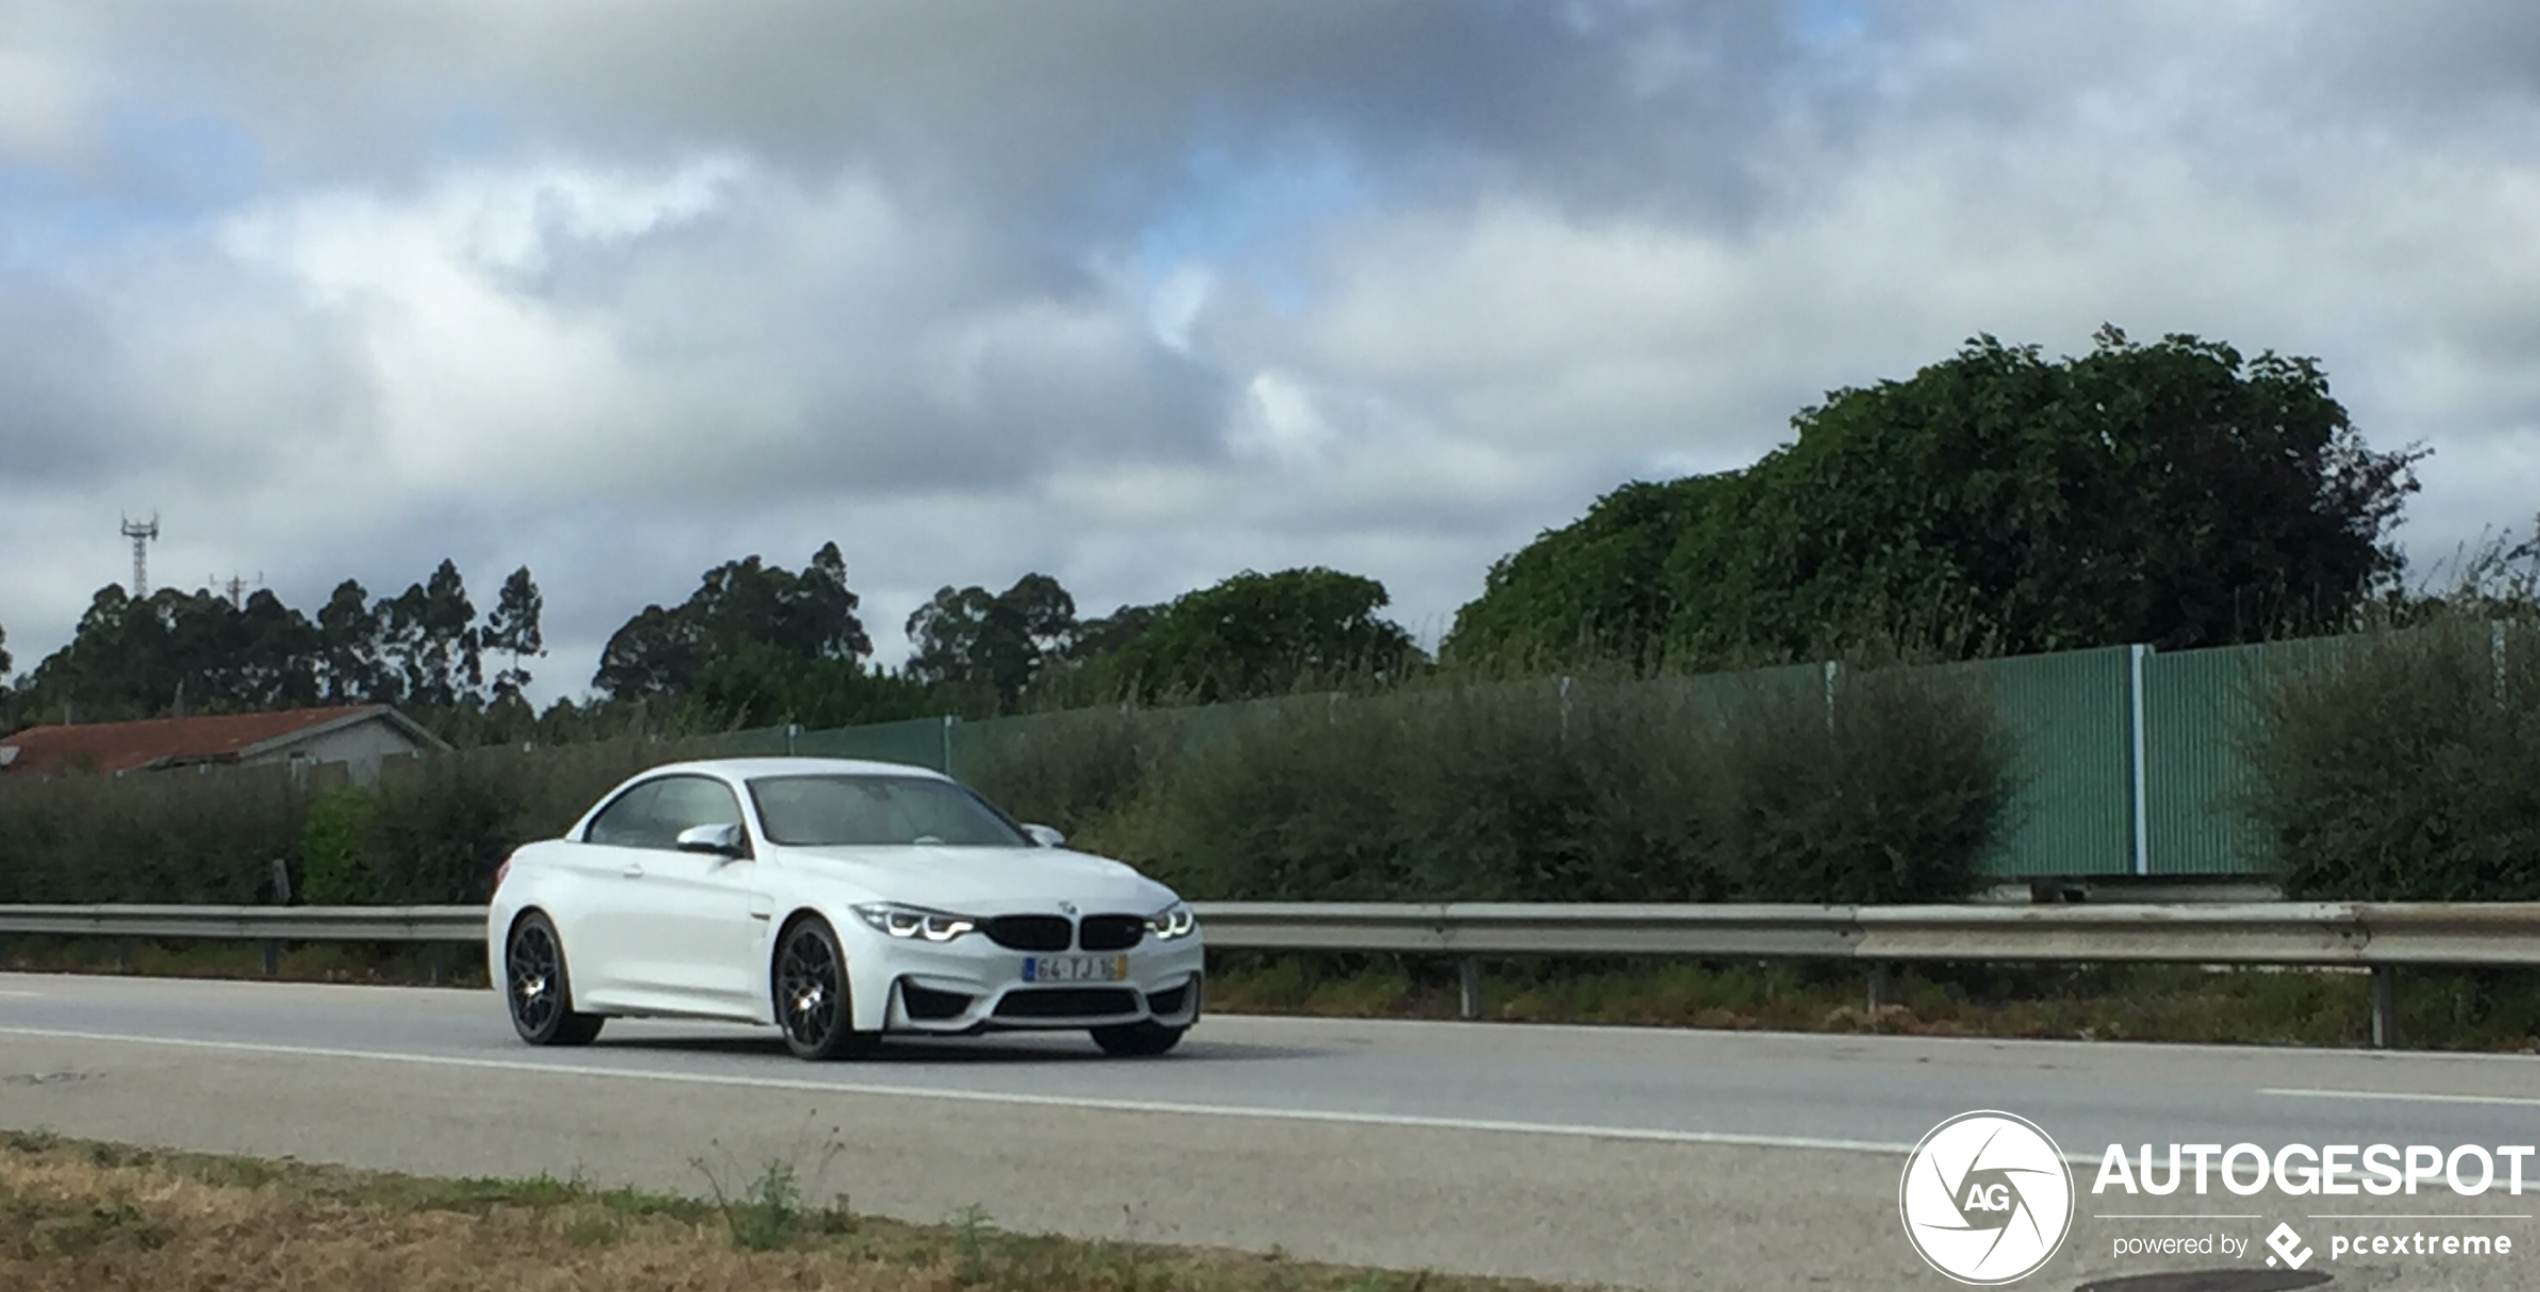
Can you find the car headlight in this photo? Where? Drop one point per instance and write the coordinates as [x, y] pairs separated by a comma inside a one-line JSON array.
[[1175, 921], [915, 921]]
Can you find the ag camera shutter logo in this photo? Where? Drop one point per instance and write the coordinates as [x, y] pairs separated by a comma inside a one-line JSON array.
[[1987, 1198]]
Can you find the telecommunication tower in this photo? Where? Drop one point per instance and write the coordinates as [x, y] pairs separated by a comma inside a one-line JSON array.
[[142, 534], [236, 587]]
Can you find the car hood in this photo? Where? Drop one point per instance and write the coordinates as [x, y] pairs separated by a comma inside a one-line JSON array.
[[984, 880]]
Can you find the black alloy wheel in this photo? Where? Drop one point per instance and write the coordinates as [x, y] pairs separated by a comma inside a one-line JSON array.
[[813, 1005], [1138, 1040], [538, 991]]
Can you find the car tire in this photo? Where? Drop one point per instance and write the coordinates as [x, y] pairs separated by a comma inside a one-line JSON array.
[[1138, 1040], [815, 1008], [538, 989]]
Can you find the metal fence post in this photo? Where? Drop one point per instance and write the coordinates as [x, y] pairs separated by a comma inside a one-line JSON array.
[[1468, 973], [2138, 784], [2385, 1007], [1882, 986]]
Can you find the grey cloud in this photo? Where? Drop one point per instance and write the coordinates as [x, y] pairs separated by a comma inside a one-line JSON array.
[[1049, 107], [1580, 242]]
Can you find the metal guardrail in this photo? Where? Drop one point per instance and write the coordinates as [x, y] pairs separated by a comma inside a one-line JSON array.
[[2380, 937], [2274, 933], [252, 923]]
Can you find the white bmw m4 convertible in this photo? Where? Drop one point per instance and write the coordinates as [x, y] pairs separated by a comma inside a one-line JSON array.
[[840, 902]]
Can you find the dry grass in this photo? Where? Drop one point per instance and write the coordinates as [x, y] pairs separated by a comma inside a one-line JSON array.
[[85, 1216]]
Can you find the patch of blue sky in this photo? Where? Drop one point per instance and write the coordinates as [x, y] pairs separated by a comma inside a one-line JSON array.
[[1244, 216], [1828, 24], [156, 174]]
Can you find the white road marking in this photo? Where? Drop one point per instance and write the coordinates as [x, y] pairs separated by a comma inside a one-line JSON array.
[[23, 995], [2469, 1215], [993, 1097], [2509, 1101]]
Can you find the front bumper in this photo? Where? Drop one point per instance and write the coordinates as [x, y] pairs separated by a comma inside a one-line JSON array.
[[973, 985]]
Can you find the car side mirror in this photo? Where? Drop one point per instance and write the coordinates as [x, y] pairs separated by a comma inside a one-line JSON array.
[[1046, 836], [723, 840]]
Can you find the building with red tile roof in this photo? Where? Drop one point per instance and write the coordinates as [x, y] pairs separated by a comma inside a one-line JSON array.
[[359, 735]]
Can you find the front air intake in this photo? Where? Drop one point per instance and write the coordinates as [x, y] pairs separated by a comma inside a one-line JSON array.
[[1031, 932], [1068, 1002], [1111, 932]]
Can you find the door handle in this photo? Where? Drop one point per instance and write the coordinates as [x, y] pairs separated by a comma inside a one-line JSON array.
[[633, 870]]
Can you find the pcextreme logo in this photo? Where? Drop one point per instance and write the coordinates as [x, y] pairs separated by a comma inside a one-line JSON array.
[[1987, 1198]]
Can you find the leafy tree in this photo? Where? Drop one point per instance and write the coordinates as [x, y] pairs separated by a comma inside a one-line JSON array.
[[1111, 632], [4, 656], [991, 647], [757, 685], [1266, 634], [1596, 589], [430, 644], [348, 635], [513, 629], [2175, 493], [179, 652], [809, 616]]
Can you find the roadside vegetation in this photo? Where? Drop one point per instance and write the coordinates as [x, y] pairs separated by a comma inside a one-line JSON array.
[[78, 1215], [1887, 785], [2399, 766], [2483, 1010]]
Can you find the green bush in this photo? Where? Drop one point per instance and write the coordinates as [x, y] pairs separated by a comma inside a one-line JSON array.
[[209, 835], [1890, 793], [1662, 790], [1085, 772], [1736, 787], [335, 850], [2399, 766]]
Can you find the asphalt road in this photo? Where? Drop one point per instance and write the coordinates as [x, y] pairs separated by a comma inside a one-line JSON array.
[[1638, 1158]]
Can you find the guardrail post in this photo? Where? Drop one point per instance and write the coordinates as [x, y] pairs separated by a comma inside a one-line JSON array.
[[1468, 973], [273, 957], [123, 955], [2385, 1007], [1882, 986]]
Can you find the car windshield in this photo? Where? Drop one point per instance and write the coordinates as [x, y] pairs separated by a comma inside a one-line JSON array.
[[842, 811]]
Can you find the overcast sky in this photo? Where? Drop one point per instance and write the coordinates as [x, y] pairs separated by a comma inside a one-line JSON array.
[[1141, 295]]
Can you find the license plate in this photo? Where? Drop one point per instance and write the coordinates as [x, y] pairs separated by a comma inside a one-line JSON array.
[[1075, 968]]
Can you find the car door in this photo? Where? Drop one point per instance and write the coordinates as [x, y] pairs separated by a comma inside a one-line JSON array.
[[603, 926], [703, 941]]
